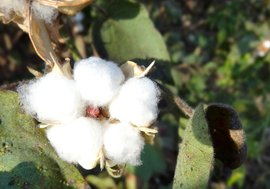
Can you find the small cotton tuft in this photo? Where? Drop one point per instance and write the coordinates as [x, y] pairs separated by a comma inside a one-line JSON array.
[[123, 144], [43, 12], [8, 6], [52, 99], [98, 80], [78, 142], [137, 102]]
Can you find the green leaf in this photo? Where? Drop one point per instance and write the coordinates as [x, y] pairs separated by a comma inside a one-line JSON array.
[[27, 160], [128, 33], [153, 163], [102, 181], [195, 156]]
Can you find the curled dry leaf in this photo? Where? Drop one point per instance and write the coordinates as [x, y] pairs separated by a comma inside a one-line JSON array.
[[101, 157], [69, 7], [148, 134], [114, 170], [227, 135], [132, 69], [34, 72]]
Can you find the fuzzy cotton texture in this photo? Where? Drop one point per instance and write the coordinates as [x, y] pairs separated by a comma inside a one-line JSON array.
[[77, 142], [52, 99], [98, 80], [137, 102], [43, 12], [123, 144], [66, 105], [13, 5]]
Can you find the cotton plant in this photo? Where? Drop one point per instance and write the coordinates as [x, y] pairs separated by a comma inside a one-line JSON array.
[[98, 113]]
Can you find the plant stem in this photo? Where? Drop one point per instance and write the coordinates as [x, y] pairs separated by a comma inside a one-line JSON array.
[[180, 103], [183, 106]]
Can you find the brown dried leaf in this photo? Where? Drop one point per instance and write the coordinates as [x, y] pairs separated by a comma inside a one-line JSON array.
[[227, 135], [69, 7]]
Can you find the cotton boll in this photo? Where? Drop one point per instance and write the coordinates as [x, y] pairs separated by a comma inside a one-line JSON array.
[[137, 102], [44, 12], [123, 144], [52, 99], [77, 142], [98, 80], [12, 5]]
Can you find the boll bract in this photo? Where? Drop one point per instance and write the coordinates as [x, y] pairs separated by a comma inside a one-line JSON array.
[[77, 142], [137, 102], [98, 80], [44, 12], [52, 99], [123, 144]]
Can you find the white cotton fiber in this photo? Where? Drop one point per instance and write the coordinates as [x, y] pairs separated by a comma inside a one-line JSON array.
[[98, 80], [52, 99], [13, 5], [43, 12], [77, 142], [123, 144], [137, 102]]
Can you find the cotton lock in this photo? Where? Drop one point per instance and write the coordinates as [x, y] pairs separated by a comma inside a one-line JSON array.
[[137, 102], [77, 142], [123, 144], [98, 80], [52, 98], [44, 12]]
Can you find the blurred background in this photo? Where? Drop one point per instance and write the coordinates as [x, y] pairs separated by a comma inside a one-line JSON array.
[[218, 52]]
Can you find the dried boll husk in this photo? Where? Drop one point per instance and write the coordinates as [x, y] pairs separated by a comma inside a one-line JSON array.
[[77, 142], [8, 7], [52, 99], [98, 80], [123, 144], [38, 19], [136, 102], [14, 11]]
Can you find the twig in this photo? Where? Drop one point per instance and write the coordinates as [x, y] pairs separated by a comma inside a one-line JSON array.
[[182, 105]]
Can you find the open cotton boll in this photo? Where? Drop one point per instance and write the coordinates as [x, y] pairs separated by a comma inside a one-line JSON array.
[[77, 142], [12, 5], [123, 144], [137, 102], [43, 12], [52, 99], [98, 80]]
